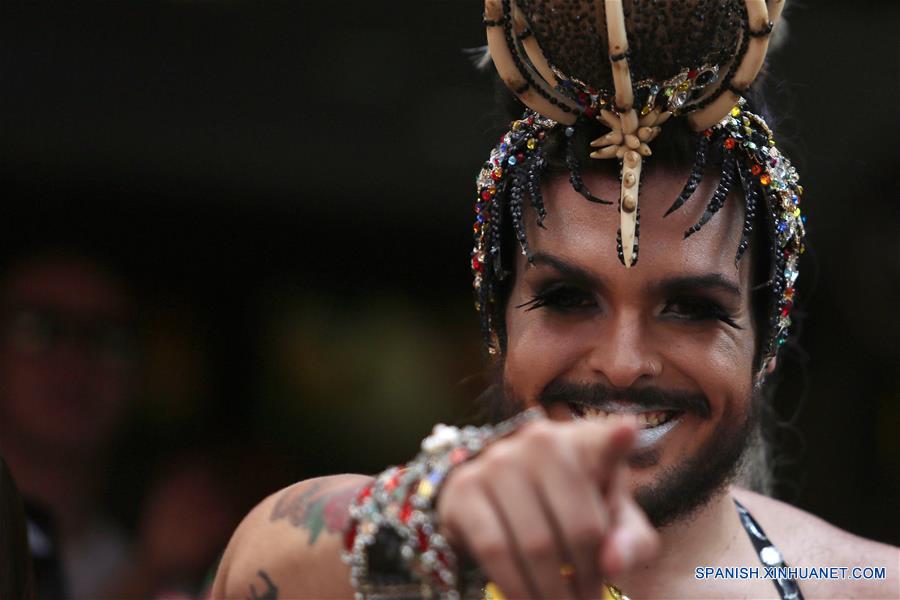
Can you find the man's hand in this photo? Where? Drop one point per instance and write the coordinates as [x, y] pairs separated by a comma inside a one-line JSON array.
[[546, 512]]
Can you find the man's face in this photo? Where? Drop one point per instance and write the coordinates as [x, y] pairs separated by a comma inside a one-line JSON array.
[[671, 339], [65, 355]]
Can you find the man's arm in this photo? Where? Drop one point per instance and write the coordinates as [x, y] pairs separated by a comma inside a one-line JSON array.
[[548, 497], [289, 545]]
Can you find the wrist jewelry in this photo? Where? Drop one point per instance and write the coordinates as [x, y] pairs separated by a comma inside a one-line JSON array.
[[392, 543]]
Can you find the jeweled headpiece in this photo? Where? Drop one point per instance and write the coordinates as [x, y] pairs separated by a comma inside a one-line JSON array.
[[631, 67]]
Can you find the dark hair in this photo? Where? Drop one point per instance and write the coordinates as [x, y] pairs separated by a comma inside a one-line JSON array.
[[15, 557]]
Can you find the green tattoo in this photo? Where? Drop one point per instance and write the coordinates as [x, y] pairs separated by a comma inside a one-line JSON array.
[[315, 509], [271, 591]]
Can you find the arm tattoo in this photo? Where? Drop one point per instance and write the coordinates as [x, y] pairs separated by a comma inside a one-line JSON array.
[[271, 591], [315, 509]]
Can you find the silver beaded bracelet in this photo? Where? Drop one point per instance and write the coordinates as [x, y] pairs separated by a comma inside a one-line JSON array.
[[392, 544]]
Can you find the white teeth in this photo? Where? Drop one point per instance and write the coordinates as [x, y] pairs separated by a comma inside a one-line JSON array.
[[594, 413], [653, 425], [645, 420]]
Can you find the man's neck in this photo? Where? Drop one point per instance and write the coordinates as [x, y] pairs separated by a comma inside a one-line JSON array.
[[707, 537]]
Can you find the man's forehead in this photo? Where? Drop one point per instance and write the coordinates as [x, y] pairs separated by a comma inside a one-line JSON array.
[[584, 232]]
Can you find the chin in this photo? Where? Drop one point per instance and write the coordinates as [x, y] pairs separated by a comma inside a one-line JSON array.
[[671, 481]]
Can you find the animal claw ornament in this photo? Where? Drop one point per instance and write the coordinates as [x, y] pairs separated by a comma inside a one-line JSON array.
[[525, 69]]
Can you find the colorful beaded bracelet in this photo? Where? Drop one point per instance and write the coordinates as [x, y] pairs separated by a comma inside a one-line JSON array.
[[392, 543]]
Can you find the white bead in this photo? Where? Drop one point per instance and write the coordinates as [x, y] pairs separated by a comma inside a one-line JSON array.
[[770, 555]]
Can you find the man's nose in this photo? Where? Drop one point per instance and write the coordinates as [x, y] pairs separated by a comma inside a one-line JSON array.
[[622, 353]]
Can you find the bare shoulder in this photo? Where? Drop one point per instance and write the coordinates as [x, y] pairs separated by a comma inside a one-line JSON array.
[[872, 569], [289, 545]]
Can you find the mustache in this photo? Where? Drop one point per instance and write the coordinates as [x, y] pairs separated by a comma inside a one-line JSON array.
[[601, 397]]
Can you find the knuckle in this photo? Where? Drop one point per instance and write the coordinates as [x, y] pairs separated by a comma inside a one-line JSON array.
[[500, 456], [461, 482], [459, 479], [540, 431], [538, 548], [488, 549], [588, 534], [542, 437]]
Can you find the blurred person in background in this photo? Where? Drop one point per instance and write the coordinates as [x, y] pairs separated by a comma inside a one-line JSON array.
[[185, 520], [15, 560], [67, 366]]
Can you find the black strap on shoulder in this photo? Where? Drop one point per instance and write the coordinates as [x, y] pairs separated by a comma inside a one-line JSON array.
[[768, 554]]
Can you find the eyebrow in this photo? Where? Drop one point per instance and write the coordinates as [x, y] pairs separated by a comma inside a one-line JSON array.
[[568, 269], [715, 281], [667, 286]]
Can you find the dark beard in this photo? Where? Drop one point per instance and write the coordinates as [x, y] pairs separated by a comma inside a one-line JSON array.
[[679, 491]]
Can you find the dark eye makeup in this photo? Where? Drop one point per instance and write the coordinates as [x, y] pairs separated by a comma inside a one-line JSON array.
[[562, 297], [699, 309]]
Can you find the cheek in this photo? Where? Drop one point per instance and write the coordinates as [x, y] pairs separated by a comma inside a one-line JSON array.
[[720, 364], [536, 353]]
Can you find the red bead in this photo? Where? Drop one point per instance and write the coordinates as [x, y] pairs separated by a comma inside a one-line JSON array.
[[692, 74], [350, 536], [485, 194], [520, 156], [496, 174], [476, 264], [756, 169], [729, 143], [406, 511], [708, 133], [364, 493], [787, 309], [458, 455], [530, 120], [392, 483], [423, 540]]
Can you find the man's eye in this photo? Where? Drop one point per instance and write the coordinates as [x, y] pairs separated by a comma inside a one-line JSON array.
[[699, 309], [561, 298]]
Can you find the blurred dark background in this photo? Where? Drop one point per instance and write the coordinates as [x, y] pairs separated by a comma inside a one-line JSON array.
[[286, 189]]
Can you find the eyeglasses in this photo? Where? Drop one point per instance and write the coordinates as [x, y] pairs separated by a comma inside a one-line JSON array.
[[37, 332]]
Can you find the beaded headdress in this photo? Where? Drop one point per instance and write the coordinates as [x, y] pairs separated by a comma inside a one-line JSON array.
[[631, 66]]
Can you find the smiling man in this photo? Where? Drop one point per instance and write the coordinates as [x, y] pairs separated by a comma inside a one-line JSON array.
[[634, 311], [671, 342]]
